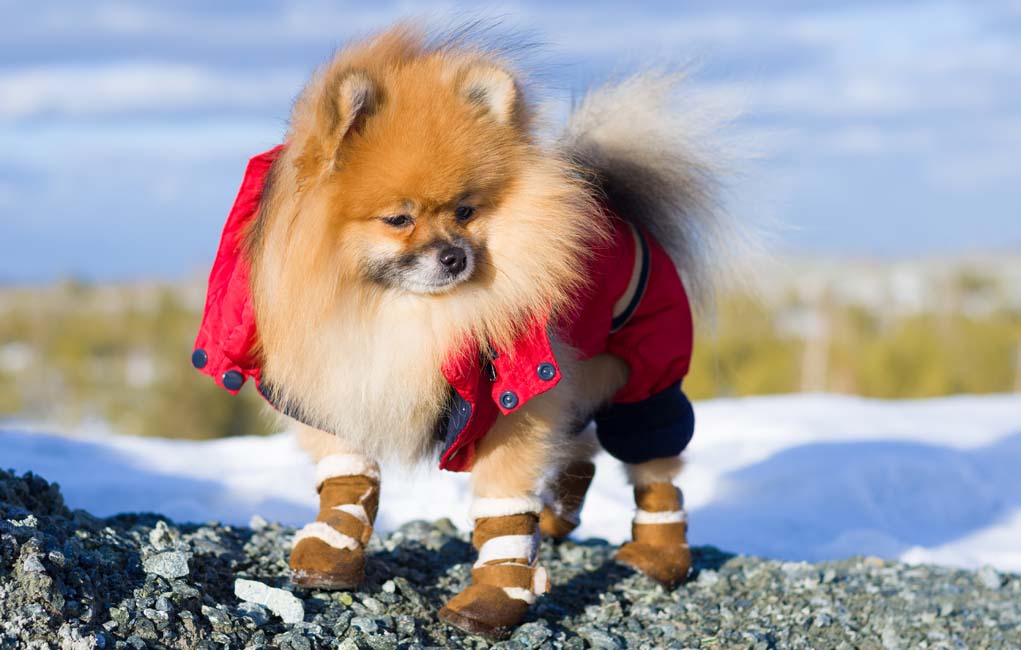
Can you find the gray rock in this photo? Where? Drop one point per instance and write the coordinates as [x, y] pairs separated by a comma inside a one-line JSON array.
[[280, 602], [365, 624], [168, 564], [217, 616], [989, 577], [708, 578], [93, 592], [532, 635], [600, 639], [32, 564], [255, 612], [257, 523], [162, 538], [373, 605]]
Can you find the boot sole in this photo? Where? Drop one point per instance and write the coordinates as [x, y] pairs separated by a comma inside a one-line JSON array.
[[473, 626], [316, 580], [669, 585]]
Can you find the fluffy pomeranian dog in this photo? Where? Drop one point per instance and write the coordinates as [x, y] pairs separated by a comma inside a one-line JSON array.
[[415, 274]]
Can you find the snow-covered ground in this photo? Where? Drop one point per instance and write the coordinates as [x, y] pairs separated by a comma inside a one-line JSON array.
[[803, 477]]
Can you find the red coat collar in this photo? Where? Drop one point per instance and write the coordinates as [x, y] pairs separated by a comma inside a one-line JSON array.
[[227, 336], [528, 368]]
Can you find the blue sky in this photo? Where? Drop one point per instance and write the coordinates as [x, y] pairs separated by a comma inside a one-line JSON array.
[[881, 128]]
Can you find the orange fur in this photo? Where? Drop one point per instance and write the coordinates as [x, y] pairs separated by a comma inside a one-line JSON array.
[[393, 127]]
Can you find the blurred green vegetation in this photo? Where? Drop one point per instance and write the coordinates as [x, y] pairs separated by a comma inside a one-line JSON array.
[[113, 355], [859, 352], [120, 355]]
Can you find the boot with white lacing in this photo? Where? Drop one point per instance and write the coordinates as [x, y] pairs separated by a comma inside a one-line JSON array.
[[660, 545], [330, 552], [506, 578]]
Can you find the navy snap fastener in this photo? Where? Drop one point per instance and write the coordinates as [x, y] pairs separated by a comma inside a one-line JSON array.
[[199, 358], [508, 399], [233, 380], [546, 371]]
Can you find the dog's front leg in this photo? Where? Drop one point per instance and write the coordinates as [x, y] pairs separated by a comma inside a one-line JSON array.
[[329, 553], [506, 578]]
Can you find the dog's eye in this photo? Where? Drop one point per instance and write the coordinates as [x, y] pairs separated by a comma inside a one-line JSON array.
[[464, 213], [399, 220]]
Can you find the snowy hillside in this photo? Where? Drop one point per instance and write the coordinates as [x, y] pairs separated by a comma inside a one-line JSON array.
[[798, 477]]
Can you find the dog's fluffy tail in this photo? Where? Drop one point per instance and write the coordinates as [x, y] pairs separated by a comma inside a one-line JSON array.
[[654, 150]]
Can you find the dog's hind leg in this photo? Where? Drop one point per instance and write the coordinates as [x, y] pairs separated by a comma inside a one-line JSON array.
[[598, 379], [659, 546], [329, 553], [649, 436], [565, 491]]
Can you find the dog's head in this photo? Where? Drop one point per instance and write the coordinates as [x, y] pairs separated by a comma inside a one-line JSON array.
[[406, 165], [412, 171]]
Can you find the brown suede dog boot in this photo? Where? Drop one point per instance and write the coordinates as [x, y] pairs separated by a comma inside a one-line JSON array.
[[564, 498], [660, 545], [505, 578], [330, 552]]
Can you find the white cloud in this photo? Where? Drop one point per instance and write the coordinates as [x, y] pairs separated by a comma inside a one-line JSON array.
[[977, 164], [974, 172], [66, 146], [868, 139], [80, 90], [929, 90], [879, 60], [216, 25]]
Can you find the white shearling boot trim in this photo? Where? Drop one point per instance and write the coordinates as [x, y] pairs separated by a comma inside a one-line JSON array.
[[489, 507], [509, 547], [668, 517], [325, 533], [345, 465], [517, 593], [355, 510], [540, 585], [540, 580]]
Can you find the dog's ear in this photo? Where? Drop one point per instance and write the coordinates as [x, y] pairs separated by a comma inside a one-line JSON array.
[[356, 98], [493, 90], [326, 116]]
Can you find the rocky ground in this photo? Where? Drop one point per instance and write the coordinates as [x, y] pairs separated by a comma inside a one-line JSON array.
[[71, 580]]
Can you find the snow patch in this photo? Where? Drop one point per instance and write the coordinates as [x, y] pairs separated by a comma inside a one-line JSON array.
[[800, 477]]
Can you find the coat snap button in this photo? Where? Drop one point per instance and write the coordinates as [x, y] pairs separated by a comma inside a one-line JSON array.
[[233, 380], [199, 358], [508, 399], [546, 371]]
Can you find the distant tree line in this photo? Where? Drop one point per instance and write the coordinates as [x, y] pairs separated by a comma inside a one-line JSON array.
[[77, 354]]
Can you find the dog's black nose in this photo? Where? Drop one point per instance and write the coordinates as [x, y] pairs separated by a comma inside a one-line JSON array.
[[454, 259]]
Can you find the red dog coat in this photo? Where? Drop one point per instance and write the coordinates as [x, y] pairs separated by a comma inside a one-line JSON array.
[[635, 308]]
